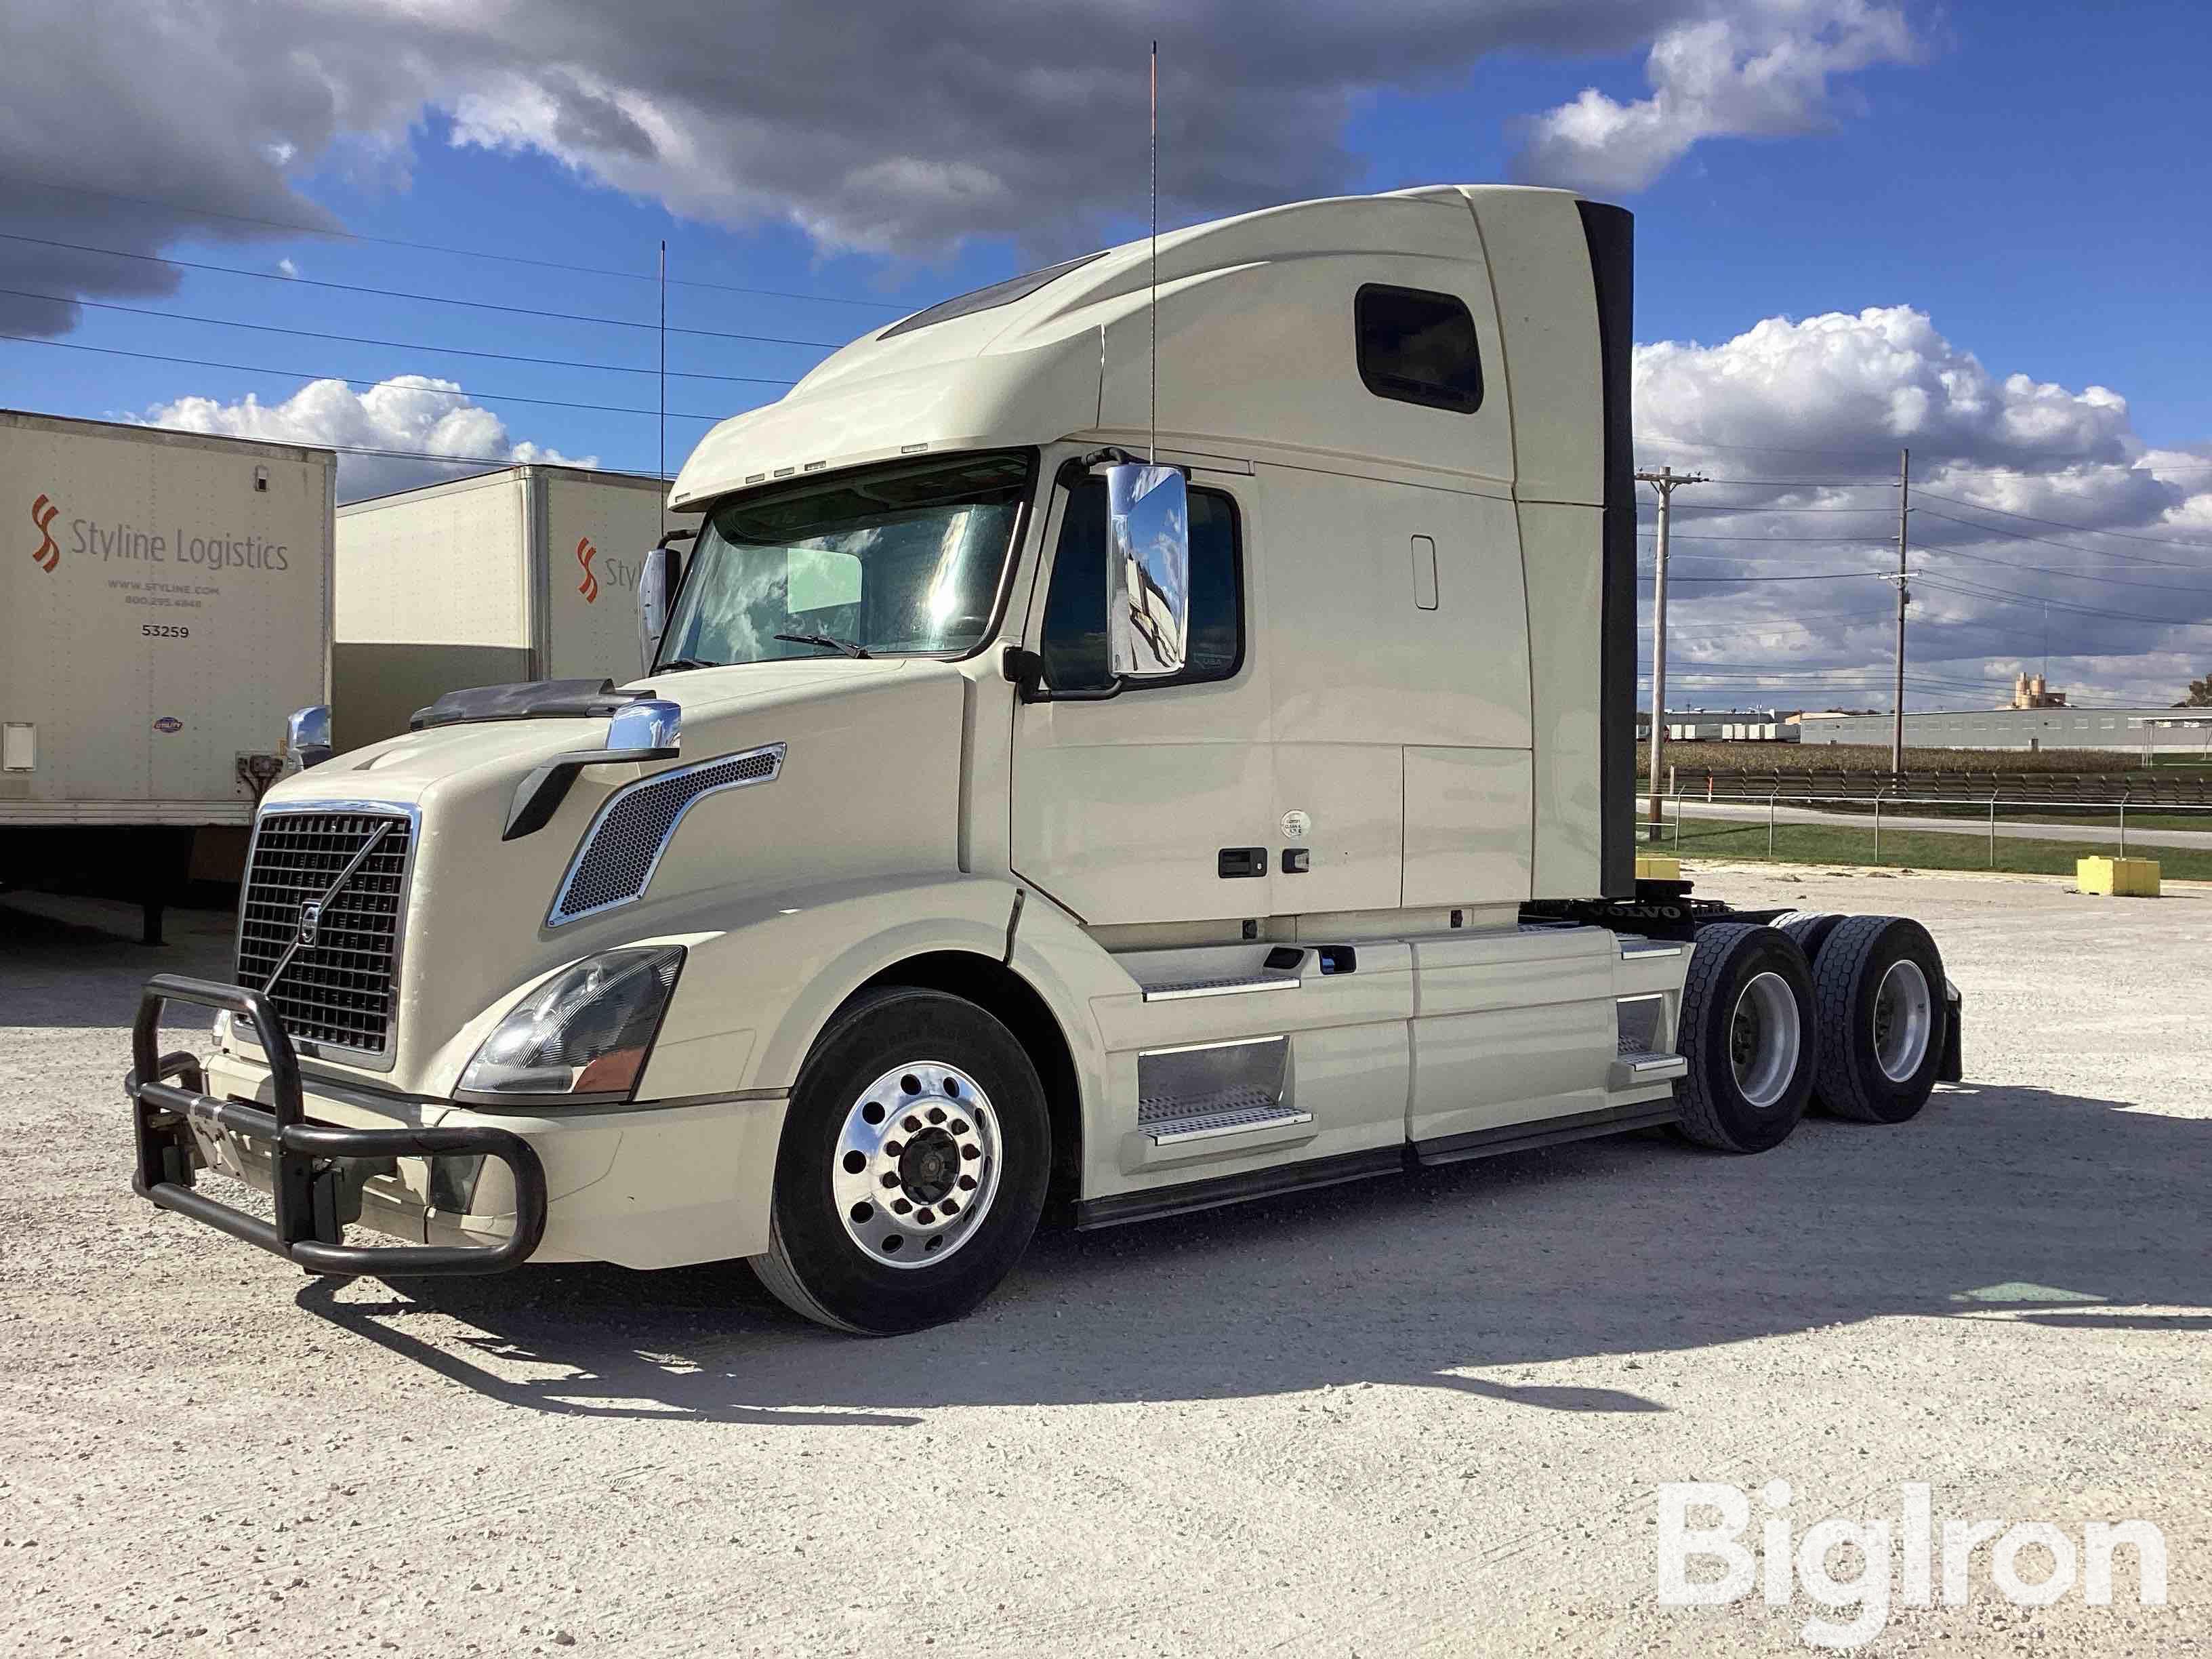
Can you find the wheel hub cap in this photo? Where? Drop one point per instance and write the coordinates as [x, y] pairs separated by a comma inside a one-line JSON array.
[[1763, 1038], [1903, 1017], [916, 1165]]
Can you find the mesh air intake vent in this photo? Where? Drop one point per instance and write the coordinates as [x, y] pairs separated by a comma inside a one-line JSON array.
[[622, 848]]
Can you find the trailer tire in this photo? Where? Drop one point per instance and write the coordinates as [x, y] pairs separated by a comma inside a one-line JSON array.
[[1747, 1029], [1882, 1010], [912, 1169]]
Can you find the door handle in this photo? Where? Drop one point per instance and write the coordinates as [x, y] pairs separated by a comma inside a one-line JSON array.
[[1236, 861]]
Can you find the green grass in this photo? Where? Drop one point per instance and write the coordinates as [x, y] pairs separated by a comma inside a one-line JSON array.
[[1915, 850], [1695, 759]]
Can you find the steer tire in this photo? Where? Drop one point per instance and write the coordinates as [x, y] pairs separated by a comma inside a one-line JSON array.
[[918, 1057], [1751, 1109], [1857, 1033]]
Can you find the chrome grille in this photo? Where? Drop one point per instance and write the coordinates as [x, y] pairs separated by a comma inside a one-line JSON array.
[[624, 846], [337, 990]]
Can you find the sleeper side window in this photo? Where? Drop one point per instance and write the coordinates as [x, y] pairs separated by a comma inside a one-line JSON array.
[[1418, 347], [1073, 645]]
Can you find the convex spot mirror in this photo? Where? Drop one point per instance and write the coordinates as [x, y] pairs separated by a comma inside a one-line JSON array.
[[1148, 570]]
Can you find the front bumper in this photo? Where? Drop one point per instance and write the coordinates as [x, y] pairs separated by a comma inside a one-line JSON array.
[[652, 1184], [315, 1189]]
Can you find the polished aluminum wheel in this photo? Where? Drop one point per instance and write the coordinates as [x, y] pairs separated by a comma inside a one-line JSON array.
[[1765, 1035], [1903, 1018], [917, 1165]]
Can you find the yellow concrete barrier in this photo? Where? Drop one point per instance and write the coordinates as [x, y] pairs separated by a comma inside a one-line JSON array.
[[1656, 866], [2119, 877]]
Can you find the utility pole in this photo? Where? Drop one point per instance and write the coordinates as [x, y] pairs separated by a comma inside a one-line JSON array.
[[1904, 599], [1665, 480]]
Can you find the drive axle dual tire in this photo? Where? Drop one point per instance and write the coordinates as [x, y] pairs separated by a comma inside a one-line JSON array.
[[1746, 1030], [1878, 993], [913, 1166]]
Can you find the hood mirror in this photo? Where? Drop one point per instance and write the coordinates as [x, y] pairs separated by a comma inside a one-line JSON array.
[[307, 736], [1148, 570]]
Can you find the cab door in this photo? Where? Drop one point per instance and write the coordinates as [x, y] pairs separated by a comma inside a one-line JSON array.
[[1154, 804]]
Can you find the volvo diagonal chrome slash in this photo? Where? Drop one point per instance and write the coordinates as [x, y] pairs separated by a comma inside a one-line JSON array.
[[1024, 812]]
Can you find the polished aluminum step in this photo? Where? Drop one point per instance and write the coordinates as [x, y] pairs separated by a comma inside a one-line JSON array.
[[1168, 1122], [1636, 1067]]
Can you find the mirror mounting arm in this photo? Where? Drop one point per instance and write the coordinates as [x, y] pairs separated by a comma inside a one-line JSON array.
[[1025, 670]]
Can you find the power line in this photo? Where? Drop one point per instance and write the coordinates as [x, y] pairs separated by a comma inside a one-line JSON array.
[[1779, 449], [294, 373], [1956, 585], [2070, 547], [1956, 551], [440, 248], [397, 345], [2061, 524], [1739, 507], [426, 299], [1808, 541], [419, 454], [1815, 576]]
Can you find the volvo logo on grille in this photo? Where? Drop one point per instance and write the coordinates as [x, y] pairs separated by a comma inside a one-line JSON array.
[[310, 912]]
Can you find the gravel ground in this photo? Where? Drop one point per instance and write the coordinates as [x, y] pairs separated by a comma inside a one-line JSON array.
[[1427, 1415]]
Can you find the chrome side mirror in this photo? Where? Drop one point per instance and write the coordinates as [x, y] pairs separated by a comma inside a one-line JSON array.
[[307, 736], [1148, 570], [656, 591]]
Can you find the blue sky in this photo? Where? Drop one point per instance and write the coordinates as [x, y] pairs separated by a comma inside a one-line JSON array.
[[2028, 179]]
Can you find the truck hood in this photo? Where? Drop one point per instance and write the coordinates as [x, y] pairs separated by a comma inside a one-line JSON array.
[[857, 734]]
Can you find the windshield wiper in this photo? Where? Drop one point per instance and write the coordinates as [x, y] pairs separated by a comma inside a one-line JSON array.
[[826, 642], [680, 664]]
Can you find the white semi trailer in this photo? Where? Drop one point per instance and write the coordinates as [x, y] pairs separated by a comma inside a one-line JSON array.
[[523, 574], [1025, 812], [164, 601]]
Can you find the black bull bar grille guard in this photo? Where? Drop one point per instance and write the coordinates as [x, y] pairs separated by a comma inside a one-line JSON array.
[[309, 1189]]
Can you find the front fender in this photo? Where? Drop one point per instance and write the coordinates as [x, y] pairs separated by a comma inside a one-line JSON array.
[[764, 976], [764, 973]]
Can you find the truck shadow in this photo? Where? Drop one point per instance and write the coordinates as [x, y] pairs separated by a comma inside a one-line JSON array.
[[2005, 1202]]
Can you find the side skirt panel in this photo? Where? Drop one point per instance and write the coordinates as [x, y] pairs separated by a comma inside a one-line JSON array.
[[1546, 1132], [1113, 1212]]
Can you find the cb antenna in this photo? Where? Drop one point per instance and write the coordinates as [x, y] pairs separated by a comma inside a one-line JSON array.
[[1152, 302]]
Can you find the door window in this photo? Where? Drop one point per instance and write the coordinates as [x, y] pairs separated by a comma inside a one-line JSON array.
[[1074, 642]]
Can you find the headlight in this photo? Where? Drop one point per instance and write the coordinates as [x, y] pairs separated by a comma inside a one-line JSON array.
[[584, 1031]]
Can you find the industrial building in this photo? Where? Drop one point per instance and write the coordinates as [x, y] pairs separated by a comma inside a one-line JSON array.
[[2137, 731]]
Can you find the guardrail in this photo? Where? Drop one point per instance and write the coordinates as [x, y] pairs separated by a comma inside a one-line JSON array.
[[1848, 805]]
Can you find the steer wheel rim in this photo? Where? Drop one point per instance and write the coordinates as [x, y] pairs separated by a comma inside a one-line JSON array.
[[916, 1165], [1764, 1033], [1904, 1019]]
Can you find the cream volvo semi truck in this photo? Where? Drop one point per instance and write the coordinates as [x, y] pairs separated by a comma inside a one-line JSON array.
[[1059, 786]]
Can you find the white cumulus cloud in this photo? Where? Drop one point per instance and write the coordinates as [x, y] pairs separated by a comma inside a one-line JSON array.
[[1763, 70], [413, 414], [2040, 521]]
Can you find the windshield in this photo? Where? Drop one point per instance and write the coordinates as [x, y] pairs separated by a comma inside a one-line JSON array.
[[902, 559]]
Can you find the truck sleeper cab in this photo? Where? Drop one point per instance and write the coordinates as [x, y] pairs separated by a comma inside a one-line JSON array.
[[1007, 823]]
